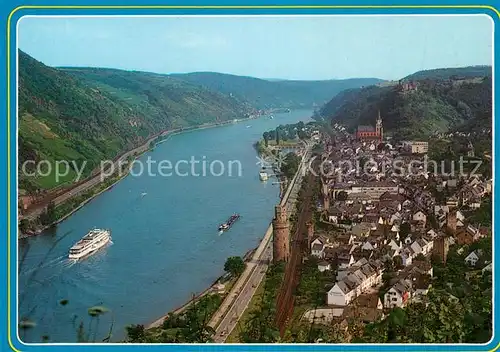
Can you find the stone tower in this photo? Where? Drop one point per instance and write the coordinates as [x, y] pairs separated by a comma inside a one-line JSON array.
[[325, 194], [379, 130], [441, 247], [451, 221], [310, 233], [281, 235]]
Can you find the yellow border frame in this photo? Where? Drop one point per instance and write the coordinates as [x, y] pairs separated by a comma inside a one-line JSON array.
[[166, 7]]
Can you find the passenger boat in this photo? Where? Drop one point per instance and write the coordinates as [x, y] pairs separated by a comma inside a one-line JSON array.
[[90, 243]]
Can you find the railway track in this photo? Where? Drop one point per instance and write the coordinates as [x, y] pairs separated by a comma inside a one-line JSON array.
[[285, 298]]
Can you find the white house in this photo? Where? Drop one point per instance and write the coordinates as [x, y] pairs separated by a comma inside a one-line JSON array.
[[488, 267], [415, 246], [394, 245], [427, 246], [473, 257], [398, 295], [419, 216], [317, 248], [324, 266], [406, 257], [341, 294], [355, 281]]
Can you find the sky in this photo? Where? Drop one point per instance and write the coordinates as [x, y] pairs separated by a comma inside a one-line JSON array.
[[305, 48]]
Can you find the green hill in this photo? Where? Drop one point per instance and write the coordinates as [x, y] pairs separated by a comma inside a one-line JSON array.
[[274, 93], [437, 105], [451, 73], [91, 115]]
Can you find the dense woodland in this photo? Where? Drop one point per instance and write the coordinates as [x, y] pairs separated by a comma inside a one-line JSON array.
[[264, 94], [92, 115]]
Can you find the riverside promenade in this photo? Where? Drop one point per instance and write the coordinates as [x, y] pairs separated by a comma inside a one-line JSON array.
[[235, 303]]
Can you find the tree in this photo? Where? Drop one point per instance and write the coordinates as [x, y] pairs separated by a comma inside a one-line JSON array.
[[290, 165], [398, 262], [404, 229], [265, 135], [136, 333], [24, 225], [49, 216], [234, 265], [342, 196], [420, 257]]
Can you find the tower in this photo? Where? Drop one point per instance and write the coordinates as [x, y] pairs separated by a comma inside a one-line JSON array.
[[310, 233], [441, 247], [451, 221], [325, 194], [281, 240], [379, 130]]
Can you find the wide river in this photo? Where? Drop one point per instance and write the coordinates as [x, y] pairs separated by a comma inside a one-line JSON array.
[[166, 246]]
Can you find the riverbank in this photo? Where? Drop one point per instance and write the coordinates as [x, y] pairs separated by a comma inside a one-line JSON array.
[[87, 186], [71, 212], [212, 288]]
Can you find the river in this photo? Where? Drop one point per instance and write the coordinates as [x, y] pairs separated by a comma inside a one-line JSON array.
[[164, 228]]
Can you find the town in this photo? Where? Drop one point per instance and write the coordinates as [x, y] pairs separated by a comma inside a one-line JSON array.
[[379, 234]]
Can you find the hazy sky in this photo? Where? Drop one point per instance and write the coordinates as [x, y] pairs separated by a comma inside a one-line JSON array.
[[267, 47]]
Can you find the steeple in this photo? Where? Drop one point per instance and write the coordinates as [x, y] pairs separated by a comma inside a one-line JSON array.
[[378, 127]]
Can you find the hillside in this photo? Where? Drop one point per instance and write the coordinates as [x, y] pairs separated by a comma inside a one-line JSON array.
[[274, 93], [451, 73], [437, 105], [92, 115]]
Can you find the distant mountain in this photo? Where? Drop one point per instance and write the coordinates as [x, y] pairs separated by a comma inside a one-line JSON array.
[[437, 104], [451, 73], [94, 114], [272, 93]]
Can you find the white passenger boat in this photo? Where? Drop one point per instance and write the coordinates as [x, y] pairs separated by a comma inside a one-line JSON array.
[[90, 243]]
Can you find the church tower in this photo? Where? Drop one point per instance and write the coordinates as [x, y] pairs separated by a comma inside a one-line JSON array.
[[379, 130], [281, 235]]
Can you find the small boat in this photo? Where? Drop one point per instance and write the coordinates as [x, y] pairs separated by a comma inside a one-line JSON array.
[[143, 194], [263, 175], [227, 225], [271, 117]]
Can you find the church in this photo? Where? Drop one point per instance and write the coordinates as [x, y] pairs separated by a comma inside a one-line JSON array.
[[370, 133]]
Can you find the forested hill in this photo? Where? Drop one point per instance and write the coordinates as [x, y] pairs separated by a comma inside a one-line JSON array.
[[94, 115], [452, 73], [460, 102], [274, 93]]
